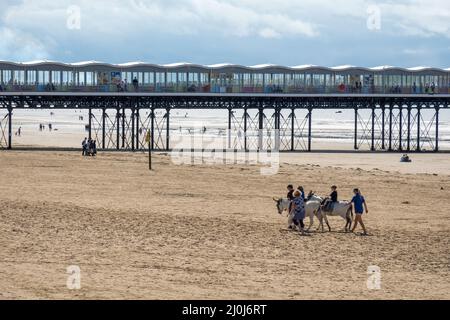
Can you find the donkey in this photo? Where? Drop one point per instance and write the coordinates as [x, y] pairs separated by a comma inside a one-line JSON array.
[[312, 208], [342, 209]]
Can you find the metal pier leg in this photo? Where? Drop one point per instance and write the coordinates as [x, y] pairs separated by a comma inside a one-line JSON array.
[[356, 129], [292, 129], [383, 132], [245, 129], [390, 127], [133, 115], [309, 129], [123, 128], [400, 134], [436, 146], [230, 114], [409, 129], [260, 129], [418, 129], [168, 129], [10, 128], [90, 123], [372, 148], [137, 117], [152, 128], [277, 130], [103, 128], [118, 128]]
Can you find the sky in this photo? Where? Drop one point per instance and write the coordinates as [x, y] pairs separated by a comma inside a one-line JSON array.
[[248, 32]]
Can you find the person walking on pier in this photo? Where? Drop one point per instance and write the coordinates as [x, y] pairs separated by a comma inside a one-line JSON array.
[[135, 84], [359, 204]]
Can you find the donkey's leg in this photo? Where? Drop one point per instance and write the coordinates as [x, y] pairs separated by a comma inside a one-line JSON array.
[[349, 219], [311, 221], [326, 220]]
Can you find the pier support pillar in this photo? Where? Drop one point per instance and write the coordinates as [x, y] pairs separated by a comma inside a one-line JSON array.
[[309, 129], [419, 118], [277, 130], [260, 129], [390, 127], [356, 129], [133, 135], [245, 128], [103, 128], [383, 129], [292, 129], [152, 129], [138, 125], [409, 129], [9, 128], [167, 129], [436, 145], [230, 115], [372, 147], [123, 128], [90, 123], [400, 131], [118, 128]]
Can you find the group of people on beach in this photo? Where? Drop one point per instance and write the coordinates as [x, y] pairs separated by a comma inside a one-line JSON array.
[[89, 147], [42, 127], [298, 200]]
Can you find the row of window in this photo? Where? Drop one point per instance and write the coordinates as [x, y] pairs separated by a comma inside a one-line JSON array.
[[221, 82]]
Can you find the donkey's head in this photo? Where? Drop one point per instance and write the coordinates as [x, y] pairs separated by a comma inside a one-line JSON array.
[[279, 203]]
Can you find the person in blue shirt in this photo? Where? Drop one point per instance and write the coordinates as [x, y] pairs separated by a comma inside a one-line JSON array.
[[359, 205]]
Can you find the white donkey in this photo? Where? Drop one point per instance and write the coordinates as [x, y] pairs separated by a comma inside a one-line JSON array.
[[342, 209], [312, 208]]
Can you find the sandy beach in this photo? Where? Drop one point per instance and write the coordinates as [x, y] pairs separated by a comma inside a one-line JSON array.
[[213, 232]]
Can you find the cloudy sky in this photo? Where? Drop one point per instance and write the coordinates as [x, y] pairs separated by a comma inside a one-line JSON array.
[[287, 32]]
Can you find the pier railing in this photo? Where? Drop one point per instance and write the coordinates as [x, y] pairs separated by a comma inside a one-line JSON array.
[[223, 89]]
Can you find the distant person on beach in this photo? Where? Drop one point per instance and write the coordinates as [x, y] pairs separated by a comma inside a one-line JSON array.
[[359, 204], [19, 131], [93, 148], [84, 145]]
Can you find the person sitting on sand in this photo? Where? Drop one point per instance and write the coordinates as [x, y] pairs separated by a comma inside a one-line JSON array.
[[298, 210], [405, 158], [359, 204]]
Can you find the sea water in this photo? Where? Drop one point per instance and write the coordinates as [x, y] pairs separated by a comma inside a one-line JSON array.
[[331, 129]]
